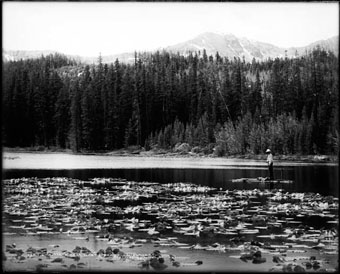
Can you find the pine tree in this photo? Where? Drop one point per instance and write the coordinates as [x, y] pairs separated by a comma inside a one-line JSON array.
[[62, 115], [75, 133], [256, 97], [87, 110], [234, 95]]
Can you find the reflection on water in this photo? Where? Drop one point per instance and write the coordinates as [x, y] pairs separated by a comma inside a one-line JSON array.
[[318, 179]]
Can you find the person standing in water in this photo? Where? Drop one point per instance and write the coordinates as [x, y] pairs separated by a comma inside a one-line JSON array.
[[270, 164]]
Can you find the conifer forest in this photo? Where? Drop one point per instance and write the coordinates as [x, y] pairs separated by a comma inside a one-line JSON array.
[[218, 105]]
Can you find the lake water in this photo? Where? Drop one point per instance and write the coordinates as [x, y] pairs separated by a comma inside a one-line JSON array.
[[321, 179], [218, 173]]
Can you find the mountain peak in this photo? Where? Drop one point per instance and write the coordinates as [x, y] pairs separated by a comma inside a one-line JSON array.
[[229, 45]]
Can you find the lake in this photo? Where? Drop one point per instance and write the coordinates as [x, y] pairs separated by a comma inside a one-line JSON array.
[[40, 220], [215, 172]]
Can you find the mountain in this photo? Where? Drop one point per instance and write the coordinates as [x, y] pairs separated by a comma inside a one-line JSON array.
[[331, 44], [227, 45], [15, 55]]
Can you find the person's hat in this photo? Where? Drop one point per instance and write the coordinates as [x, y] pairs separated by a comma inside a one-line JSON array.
[[268, 150]]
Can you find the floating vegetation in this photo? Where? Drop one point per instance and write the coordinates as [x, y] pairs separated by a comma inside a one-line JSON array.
[[250, 226]]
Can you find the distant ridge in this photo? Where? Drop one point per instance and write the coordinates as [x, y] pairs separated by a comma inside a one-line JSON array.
[[227, 45]]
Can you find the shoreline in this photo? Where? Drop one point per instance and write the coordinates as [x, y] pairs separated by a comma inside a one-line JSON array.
[[69, 161], [318, 158]]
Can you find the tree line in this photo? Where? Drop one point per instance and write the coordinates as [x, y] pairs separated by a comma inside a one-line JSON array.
[[215, 104]]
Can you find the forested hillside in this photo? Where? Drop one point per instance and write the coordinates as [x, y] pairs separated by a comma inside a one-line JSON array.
[[220, 105]]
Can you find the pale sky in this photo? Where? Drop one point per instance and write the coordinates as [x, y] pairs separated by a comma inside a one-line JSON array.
[[90, 28]]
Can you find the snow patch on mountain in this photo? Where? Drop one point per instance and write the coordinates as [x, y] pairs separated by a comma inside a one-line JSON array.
[[245, 50]]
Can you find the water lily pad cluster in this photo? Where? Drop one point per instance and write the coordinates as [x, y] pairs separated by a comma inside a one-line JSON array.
[[254, 224]]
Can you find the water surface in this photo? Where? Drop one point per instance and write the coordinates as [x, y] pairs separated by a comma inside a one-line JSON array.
[[319, 179]]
